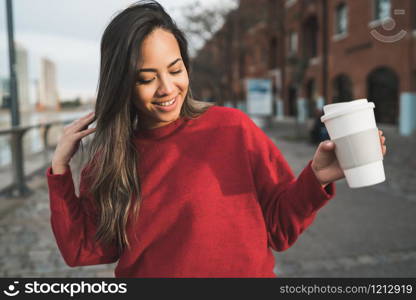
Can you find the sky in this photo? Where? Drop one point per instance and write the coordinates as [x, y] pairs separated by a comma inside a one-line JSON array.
[[68, 33]]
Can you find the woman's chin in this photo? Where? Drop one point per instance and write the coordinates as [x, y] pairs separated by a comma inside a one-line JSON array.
[[160, 121]]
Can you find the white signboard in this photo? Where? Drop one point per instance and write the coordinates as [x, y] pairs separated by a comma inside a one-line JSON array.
[[259, 96]]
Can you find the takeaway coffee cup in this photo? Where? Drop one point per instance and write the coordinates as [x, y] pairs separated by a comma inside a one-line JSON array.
[[352, 127]]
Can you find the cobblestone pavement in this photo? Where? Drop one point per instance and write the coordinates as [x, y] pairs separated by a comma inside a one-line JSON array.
[[27, 244], [367, 232]]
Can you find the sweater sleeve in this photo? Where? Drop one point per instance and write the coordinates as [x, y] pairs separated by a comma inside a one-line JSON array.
[[289, 204], [73, 222]]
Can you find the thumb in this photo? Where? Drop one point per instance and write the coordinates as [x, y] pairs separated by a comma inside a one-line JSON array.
[[324, 155], [328, 145]]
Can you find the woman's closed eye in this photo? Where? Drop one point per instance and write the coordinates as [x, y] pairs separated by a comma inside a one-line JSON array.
[[176, 72], [146, 81]]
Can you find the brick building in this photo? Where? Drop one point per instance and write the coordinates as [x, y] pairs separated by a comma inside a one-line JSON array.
[[319, 52]]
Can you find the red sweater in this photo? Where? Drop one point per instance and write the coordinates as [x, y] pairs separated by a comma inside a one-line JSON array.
[[216, 196]]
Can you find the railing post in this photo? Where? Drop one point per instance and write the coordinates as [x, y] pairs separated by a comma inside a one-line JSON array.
[[20, 186], [45, 132]]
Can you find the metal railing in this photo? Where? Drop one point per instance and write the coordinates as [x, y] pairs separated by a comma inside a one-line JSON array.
[[19, 187]]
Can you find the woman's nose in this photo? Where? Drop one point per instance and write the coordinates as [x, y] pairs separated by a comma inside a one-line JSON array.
[[166, 87]]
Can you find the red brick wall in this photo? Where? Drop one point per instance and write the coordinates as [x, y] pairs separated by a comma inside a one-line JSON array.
[[359, 52], [356, 55]]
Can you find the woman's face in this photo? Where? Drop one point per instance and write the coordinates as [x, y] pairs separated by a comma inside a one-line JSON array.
[[162, 80]]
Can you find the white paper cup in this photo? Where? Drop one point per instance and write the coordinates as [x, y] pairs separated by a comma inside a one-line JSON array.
[[352, 126]]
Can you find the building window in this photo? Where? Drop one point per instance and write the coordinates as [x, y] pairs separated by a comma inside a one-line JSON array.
[[293, 43], [341, 25], [342, 88], [273, 53], [310, 37], [382, 9]]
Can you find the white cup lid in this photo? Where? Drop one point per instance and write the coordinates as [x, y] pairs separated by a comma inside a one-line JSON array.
[[338, 109]]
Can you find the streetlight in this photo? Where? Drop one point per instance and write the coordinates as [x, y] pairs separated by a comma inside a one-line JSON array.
[[17, 136], [14, 103]]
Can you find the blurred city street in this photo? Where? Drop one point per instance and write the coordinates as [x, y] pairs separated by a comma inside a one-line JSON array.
[[368, 232]]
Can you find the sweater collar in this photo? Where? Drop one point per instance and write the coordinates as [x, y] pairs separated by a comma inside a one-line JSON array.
[[160, 132]]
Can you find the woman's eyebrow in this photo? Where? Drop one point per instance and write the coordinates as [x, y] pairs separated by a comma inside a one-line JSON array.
[[154, 70]]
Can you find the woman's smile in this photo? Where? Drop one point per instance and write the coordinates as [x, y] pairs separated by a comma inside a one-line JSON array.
[[166, 106]]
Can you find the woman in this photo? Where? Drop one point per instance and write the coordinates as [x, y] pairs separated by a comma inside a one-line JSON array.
[[173, 187]]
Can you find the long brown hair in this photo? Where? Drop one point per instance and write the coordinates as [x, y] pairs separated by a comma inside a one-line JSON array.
[[112, 157]]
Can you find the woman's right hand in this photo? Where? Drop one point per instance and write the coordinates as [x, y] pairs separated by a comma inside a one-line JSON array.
[[69, 142]]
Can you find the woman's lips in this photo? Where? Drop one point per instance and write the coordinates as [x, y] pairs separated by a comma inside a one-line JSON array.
[[166, 108]]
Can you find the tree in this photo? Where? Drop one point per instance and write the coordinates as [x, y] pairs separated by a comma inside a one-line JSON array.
[[201, 22]]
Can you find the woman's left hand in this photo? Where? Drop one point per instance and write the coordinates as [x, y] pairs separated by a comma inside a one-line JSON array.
[[325, 164]]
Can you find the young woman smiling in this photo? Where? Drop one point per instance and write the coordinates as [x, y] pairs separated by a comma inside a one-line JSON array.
[[175, 187]]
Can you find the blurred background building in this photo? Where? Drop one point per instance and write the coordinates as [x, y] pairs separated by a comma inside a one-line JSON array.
[[316, 52], [22, 70], [22, 84], [48, 92]]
